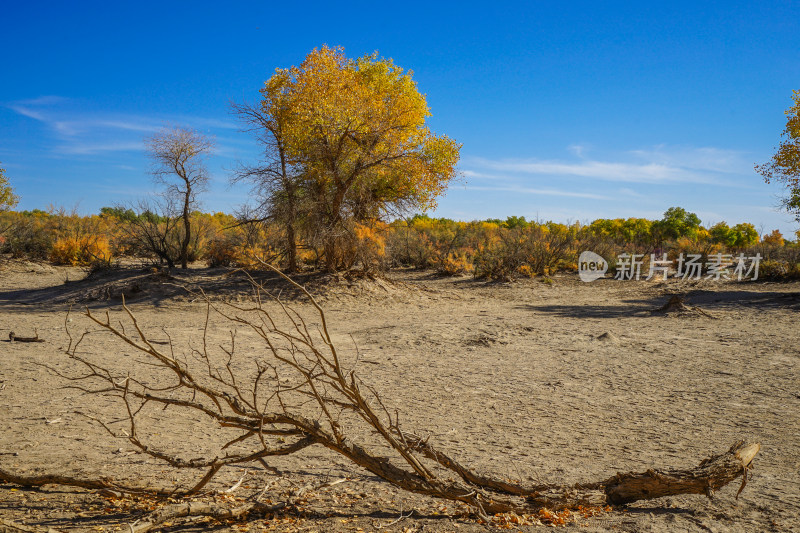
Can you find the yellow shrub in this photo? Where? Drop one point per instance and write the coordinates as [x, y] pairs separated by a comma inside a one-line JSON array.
[[221, 253], [455, 264], [84, 250], [779, 270], [526, 270], [371, 238], [370, 245], [307, 255], [251, 257], [227, 253]]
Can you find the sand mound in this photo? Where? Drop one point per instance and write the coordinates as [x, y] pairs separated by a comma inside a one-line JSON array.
[[363, 286], [151, 283], [156, 284]]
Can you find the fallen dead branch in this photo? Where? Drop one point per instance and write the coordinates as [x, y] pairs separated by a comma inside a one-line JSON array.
[[99, 484], [14, 338], [195, 509], [709, 476], [676, 304], [7, 526], [302, 391]]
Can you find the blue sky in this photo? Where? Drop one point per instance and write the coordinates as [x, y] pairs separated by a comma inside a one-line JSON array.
[[567, 111]]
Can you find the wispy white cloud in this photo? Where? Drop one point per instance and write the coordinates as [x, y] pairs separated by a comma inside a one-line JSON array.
[[657, 165], [470, 174], [545, 192], [650, 172], [577, 149], [625, 191], [82, 133], [129, 125], [71, 124], [588, 183], [81, 148], [43, 100], [27, 112], [710, 159]]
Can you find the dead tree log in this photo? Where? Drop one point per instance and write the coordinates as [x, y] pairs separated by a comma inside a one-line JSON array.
[[100, 484], [712, 474], [302, 391], [15, 338]]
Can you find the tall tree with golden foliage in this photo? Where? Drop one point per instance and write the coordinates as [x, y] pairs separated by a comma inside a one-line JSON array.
[[357, 129]]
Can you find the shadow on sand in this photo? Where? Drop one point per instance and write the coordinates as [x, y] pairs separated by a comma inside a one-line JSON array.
[[153, 286], [708, 300]]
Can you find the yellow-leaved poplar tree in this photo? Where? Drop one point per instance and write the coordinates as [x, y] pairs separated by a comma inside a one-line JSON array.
[[356, 129]]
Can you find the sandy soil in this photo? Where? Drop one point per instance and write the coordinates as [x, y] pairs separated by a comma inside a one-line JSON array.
[[515, 379]]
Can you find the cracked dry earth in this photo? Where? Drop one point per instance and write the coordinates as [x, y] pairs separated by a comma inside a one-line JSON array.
[[532, 381]]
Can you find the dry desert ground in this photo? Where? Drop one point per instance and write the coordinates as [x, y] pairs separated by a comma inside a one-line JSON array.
[[536, 380]]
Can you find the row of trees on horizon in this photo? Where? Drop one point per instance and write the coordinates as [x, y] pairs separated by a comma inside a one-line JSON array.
[[497, 249], [346, 149]]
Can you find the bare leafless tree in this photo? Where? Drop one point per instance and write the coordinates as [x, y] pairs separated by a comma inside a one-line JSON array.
[[178, 163], [276, 181]]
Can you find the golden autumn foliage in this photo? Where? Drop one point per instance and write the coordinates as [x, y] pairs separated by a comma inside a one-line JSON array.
[[774, 239], [242, 246], [493, 249], [784, 167], [83, 250], [7, 197], [370, 244], [455, 263], [547, 517], [356, 129], [361, 123]]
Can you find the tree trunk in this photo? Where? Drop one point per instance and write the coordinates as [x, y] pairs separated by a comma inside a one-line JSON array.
[[291, 248], [330, 253], [334, 219], [187, 229], [291, 234]]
